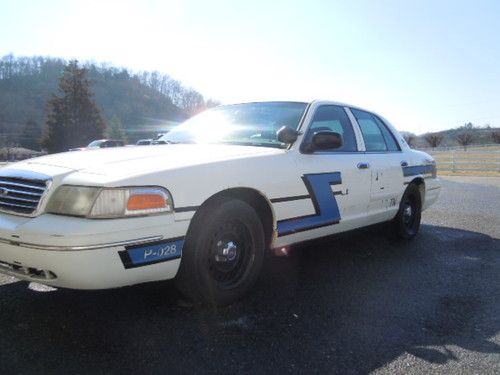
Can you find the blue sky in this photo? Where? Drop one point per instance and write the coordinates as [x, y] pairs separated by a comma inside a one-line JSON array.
[[424, 65]]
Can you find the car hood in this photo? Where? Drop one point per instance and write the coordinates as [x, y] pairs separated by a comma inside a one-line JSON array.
[[138, 160]]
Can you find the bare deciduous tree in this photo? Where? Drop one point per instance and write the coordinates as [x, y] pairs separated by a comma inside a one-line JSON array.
[[192, 102], [464, 139], [433, 139], [495, 135], [410, 139]]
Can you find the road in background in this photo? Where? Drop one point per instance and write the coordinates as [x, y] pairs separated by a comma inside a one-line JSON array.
[[360, 303]]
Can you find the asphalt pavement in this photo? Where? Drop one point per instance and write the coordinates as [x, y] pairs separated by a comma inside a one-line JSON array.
[[359, 303]]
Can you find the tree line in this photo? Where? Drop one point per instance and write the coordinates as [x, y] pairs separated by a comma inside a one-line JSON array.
[[132, 105], [464, 136]]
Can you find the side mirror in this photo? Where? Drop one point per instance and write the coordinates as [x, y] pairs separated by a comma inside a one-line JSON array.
[[325, 140], [287, 135]]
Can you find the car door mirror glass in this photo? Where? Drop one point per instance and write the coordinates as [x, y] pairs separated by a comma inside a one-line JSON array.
[[325, 140], [287, 135]]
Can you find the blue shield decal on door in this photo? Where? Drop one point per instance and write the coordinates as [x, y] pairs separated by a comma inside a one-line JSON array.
[[323, 199]]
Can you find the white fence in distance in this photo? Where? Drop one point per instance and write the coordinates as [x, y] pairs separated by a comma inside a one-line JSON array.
[[486, 146], [467, 161]]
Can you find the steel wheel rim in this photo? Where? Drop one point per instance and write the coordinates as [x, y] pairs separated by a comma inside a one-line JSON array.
[[409, 210], [231, 254]]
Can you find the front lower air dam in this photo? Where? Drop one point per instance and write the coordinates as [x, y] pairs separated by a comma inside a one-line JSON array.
[[31, 272]]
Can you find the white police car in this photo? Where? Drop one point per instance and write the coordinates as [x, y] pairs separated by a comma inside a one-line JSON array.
[[232, 182]]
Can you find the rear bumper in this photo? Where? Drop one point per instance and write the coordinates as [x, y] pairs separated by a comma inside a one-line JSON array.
[[88, 254]]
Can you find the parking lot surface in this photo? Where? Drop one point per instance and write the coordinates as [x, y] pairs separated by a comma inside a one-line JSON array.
[[360, 303]]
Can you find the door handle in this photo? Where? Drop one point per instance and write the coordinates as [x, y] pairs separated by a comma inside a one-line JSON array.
[[404, 163], [363, 165]]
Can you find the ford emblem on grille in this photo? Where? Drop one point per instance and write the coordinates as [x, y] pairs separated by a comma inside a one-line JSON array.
[[4, 191]]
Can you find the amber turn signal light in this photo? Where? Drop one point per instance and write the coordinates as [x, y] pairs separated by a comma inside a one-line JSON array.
[[146, 202]]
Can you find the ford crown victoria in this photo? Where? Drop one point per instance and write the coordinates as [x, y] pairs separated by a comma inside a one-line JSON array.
[[230, 183]]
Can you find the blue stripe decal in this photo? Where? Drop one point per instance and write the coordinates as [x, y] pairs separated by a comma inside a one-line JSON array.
[[143, 255], [418, 169], [325, 205]]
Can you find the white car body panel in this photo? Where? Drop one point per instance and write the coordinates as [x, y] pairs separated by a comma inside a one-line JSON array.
[[88, 253]]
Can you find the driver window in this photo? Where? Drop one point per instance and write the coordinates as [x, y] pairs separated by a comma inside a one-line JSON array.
[[333, 118]]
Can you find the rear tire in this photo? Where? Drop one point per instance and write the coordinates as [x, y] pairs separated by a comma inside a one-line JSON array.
[[407, 221], [223, 253]]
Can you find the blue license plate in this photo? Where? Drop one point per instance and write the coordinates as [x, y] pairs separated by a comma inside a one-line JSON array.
[[142, 255]]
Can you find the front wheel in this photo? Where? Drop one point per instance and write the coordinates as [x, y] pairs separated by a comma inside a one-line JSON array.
[[407, 221], [223, 254]]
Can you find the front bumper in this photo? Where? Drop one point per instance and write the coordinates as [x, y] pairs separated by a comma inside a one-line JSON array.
[[88, 254], [432, 191]]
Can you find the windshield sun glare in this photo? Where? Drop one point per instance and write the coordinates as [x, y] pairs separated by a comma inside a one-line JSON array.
[[253, 124]]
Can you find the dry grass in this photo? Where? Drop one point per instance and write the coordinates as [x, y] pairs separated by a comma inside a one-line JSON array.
[[485, 148], [476, 161], [469, 173], [469, 148]]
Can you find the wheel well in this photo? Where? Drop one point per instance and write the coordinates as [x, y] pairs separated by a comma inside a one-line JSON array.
[[254, 199], [419, 181]]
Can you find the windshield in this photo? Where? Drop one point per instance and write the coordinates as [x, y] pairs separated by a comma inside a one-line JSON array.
[[253, 124], [95, 143]]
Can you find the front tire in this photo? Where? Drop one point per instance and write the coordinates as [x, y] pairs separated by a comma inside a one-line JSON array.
[[407, 221], [223, 253]]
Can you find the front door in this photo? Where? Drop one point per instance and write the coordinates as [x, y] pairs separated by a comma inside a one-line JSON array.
[[338, 190]]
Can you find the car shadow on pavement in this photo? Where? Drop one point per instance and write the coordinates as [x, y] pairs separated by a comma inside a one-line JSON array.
[[351, 304]]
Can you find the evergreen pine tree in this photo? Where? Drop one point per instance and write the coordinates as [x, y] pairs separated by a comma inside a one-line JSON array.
[[114, 129], [74, 119]]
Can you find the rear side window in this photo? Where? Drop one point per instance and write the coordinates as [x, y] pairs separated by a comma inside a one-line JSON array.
[[389, 138], [333, 118], [375, 134]]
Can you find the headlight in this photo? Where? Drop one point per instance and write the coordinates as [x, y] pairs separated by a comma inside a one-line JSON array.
[[103, 203], [131, 202], [72, 200]]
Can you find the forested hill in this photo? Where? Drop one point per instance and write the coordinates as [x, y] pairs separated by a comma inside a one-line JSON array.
[[144, 102]]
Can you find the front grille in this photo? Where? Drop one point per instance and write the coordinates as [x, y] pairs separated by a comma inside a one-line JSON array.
[[20, 194]]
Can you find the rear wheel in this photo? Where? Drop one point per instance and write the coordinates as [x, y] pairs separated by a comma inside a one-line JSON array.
[[407, 221], [223, 253]]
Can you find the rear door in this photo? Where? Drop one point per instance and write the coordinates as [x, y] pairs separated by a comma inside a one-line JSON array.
[[384, 158]]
